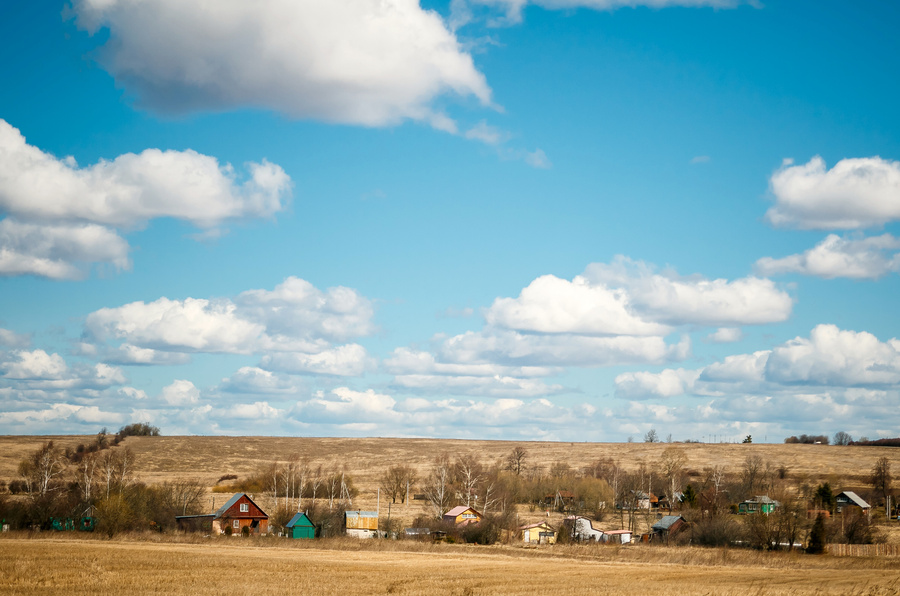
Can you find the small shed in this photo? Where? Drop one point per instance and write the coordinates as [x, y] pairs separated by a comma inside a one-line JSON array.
[[617, 536], [759, 504], [539, 533], [462, 515], [667, 526], [301, 527], [848, 498], [361, 524]]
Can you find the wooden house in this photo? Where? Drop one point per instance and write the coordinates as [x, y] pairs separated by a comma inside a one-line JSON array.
[[300, 527], [848, 498], [462, 515], [240, 512], [758, 504], [667, 526], [644, 500], [361, 524], [539, 533]]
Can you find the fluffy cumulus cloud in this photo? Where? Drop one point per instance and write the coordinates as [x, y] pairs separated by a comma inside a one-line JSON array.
[[370, 62], [855, 258], [830, 361], [295, 326], [61, 217], [856, 193], [678, 300]]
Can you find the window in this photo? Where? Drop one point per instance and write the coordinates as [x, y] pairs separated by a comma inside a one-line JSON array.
[[237, 524], [245, 507]]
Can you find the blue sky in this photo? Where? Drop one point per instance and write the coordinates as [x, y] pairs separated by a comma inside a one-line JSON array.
[[561, 219]]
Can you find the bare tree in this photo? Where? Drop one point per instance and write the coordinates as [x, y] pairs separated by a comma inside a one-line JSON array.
[[87, 475], [842, 438], [651, 436], [468, 472], [672, 466], [41, 470], [515, 461], [396, 480], [116, 469], [438, 485], [881, 477], [750, 474]]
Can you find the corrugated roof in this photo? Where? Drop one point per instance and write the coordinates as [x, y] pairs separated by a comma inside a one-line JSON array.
[[234, 499], [361, 513], [666, 522], [856, 499]]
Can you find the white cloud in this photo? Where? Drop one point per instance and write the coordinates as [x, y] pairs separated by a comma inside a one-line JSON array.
[[370, 62], [667, 383], [35, 365], [856, 258], [11, 339], [405, 361], [832, 356], [512, 9], [296, 309], [133, 188], [129, 354], [496, 386], [61, 218], [486, 133], [194, 325], [538, 159], [180, 393], [349, 360], [553, 305], [510, 348], [250, 379], [856, 193], [676, 300], [58, 251], [726, 335]]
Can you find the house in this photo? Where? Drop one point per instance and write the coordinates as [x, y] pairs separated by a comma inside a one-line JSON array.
[[617, 536], [848, 498], [361, 524], [237, 513], [759, 504], [667, 526], [644, 500], [462, 515], [563, 498], [581, 528], [539, 533], [300, 527], [240, 512]]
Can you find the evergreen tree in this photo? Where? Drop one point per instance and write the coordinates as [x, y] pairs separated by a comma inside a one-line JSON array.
[[816, 544]]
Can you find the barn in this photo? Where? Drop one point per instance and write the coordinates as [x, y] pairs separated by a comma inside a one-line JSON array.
[[300, 527]]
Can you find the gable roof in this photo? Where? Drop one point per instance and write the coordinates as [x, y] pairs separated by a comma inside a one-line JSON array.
[[459, 510], [854, 498], [542, 524], [666, 522], [230, 503], [299, 520], [762, 499]]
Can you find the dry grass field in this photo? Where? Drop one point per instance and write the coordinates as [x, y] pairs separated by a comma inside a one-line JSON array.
[[271, 566]]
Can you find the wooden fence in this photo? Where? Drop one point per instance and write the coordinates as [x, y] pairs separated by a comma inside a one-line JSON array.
[[864, 550]]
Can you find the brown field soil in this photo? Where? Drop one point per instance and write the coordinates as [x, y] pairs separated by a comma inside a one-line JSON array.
[[277, 566], [206, 459]]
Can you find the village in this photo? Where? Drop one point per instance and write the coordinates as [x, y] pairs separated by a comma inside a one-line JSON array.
[[515, 497]]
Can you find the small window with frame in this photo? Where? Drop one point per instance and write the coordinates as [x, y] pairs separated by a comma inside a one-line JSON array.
[[237, 524], [245, 507]]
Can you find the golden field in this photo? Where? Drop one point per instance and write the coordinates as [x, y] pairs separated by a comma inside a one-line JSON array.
[[276, 566]]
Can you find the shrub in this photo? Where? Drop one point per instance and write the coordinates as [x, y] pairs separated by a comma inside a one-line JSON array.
[[245, 531], [228, 531]]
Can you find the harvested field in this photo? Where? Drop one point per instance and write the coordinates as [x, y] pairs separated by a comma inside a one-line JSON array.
[[123, 567]]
